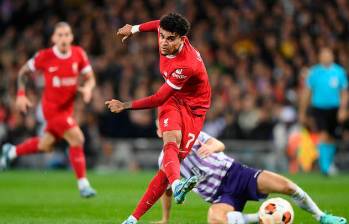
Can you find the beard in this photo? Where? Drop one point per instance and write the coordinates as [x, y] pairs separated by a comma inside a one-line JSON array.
[[174, 52]]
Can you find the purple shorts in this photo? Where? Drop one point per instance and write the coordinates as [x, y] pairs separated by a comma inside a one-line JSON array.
[[239, 186]]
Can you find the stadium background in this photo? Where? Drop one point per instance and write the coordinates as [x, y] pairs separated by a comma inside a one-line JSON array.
[[257, 54]]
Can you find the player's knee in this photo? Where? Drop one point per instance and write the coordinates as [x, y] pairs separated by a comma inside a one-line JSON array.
[[81, 139], [44, 147], [78, 140], [216, 216], [172, 136], [216, 219], [288, 187]]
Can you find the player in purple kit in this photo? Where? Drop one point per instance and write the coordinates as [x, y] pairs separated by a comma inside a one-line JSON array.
[[228, 185]]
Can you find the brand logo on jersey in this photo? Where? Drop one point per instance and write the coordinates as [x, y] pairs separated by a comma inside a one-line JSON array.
[[178, 74], [52, 69], [75, 67], [166, 122], [63, 82], [149, 203], [179, 71]]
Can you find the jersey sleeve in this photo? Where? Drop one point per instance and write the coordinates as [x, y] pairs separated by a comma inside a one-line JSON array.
[[84, 65], [149, 26], [159, 98], [178, 78], [37, 62]]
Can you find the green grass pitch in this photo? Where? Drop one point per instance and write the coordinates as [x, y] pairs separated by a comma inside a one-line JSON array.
[[51, 197]]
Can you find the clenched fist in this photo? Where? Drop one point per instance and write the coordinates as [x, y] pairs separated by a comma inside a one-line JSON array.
[[124, 32], [117, 106], [23, 103]]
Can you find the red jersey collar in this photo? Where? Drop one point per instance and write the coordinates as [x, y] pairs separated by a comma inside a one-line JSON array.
[[60, 54]]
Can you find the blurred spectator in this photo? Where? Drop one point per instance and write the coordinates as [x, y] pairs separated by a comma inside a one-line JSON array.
[[326, 93]]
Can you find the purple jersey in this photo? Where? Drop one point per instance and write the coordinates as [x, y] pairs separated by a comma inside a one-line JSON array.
[[210, 170]]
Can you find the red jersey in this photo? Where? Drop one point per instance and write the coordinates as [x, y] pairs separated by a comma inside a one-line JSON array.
[[61, 72], [186, 73]]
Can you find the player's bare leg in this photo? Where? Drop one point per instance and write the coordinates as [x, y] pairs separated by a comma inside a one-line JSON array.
[[269, 182], [46, 142], [217, 213], [169, 173], [75, 139], [222, 213], [30, 146]]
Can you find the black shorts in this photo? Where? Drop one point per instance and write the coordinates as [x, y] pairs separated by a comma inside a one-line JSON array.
[[325, 119]]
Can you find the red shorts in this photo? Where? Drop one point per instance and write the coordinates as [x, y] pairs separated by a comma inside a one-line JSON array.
[[176, 116], [58, 125]]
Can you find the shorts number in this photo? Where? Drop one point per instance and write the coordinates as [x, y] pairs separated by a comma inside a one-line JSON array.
[[191, 137]]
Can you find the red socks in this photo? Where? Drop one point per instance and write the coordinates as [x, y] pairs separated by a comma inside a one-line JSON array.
[[77, 161], [76, 155], [29, 146], [155, 190], [170, 162], [159, 183]]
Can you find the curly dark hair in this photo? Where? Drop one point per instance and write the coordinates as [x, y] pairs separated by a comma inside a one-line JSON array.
[[175, 23]]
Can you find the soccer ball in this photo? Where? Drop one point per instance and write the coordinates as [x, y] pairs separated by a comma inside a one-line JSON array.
[[276, 211]]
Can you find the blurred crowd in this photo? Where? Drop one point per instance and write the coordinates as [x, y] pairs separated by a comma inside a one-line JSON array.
[[257, 54]]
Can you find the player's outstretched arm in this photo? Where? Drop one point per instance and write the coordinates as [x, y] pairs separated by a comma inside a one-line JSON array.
[[128, 30], [212, 145], [87, 88], [116, 106], [156, 100], [22, 102], [215, 145], [159, 98]]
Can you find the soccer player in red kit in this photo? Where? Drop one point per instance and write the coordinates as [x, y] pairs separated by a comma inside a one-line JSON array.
[[182, 103], [61, 65]]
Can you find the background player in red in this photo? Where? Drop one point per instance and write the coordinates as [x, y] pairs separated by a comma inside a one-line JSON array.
[[61, 65], [183, 101]]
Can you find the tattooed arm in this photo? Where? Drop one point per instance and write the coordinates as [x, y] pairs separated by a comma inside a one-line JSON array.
[[22, 102]]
